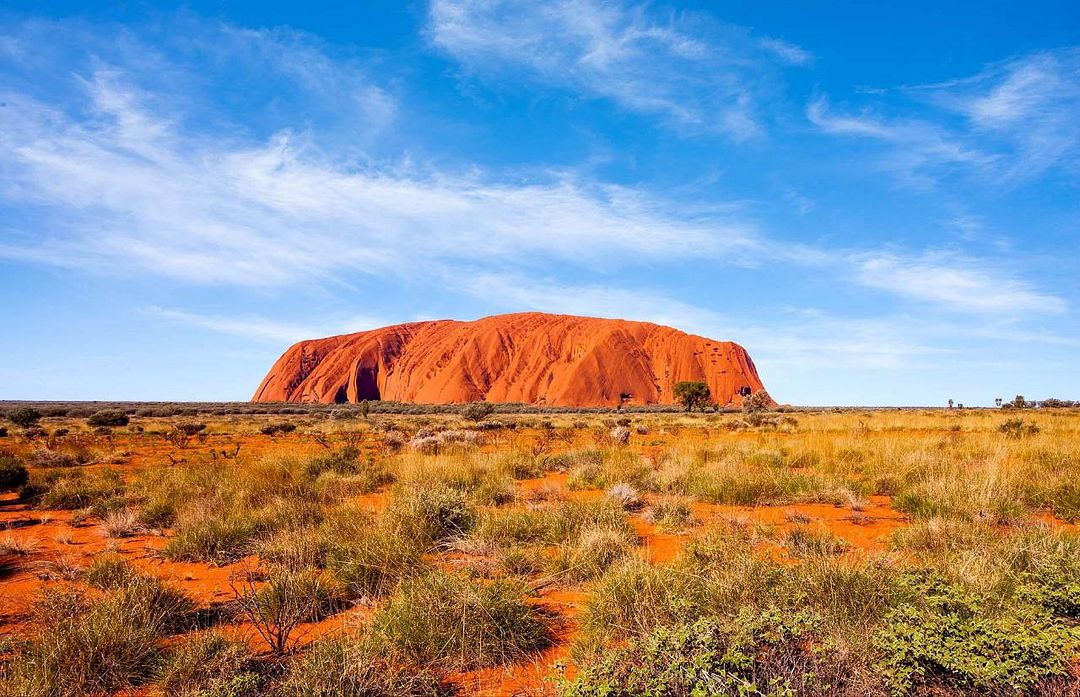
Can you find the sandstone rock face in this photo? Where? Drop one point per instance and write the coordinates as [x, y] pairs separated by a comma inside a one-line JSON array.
[[535, 358]]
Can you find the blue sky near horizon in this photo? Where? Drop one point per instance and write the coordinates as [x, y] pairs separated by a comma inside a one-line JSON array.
[[879, 201]]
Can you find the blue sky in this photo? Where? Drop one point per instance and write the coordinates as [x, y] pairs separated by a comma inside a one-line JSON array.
[[879, 200]]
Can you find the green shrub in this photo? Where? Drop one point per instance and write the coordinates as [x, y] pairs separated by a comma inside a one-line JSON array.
[[1017, 428], [96, 647], [692, 393], [432, 514], [110, 571], [448, 621], [100, 490], [24, 416], [13, 474], [108, 418], [190, 429], [211, 665], [278, 427], [800, 541], [347, 666], [594, 550], [947, 639], [767, 653], [1054, 586], [369, 558], [477, 411], [218, 539]]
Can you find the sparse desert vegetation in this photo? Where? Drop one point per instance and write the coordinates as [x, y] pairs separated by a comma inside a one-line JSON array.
[[380, 549]]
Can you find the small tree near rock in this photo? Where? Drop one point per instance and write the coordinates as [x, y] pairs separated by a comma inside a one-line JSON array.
[[692, 393], [755, 407], [477, 411]]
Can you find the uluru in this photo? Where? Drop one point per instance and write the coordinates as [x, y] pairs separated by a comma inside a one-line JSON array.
[[532, 357]]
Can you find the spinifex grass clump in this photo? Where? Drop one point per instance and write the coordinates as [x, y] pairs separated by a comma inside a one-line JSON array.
[[212, 664], [357, 666], [97, 645], [368, 555], [430, 514], [100, 490], [802, 541], [444, 620], [593, 551], [218, 539]]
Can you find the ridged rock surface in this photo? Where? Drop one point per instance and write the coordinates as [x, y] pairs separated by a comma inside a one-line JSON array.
[[534, 358]]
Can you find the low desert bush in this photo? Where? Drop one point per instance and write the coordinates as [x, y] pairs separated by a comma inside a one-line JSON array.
[[90, 647], [289, 599], [768, 652], [431, 514], [351, 666], [447, 621], [671, 514], [211, 665], [24, 416], [277, 428], [108, 418], [588, 556], [477, 411], [1017, 428], [947, 639], [46, 458], [13, 473]]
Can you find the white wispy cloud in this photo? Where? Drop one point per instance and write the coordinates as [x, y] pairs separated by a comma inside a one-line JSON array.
[[509, 291], [1019, 121], [687, 69], [788, 51], [1030, 105], [919, 151], [249, 326], [129, 189], [262, 329], [954, 283]]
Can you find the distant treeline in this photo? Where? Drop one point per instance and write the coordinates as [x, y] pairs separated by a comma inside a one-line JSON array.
[[80, 409], [168, 409]]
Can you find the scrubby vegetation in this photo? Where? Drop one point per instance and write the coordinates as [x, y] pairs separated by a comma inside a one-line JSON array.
[[318, 552]]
